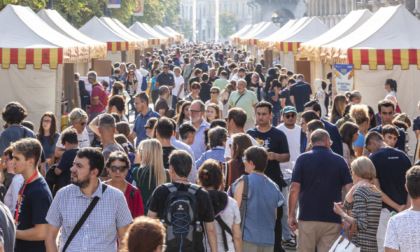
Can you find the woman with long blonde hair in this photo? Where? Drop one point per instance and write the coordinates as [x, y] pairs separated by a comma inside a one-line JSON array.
[[148, 170]]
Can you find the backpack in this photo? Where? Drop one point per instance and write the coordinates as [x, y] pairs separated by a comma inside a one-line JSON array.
[[144, 84], [183, 228]]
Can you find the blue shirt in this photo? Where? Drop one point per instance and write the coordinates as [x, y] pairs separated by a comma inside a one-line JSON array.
[[199, 146], [264, 197], [153, 84], [391, 166], [276, 104], [217, 153], [401, 139], [337, 145], [48, 148], [360, 142], [141, 122], [321, 175], [301, 91]]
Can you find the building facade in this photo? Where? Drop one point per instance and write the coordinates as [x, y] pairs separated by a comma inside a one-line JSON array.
[[333, 11]]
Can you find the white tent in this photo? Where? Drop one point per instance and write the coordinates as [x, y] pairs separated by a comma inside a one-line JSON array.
[[386, 46], [154, 40], [234, 37], [245, 37], [291, 25], [154, 32], [179, 35], [97, 49], [139, 42], [163, 32], [32, 61], [268, 29], [116, 43], [346, 26]]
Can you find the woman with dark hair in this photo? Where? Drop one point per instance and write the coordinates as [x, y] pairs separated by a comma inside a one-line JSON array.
[[145, 235], [212, 113], [195, 91], [346, 116], [84, 96], [349, 134], [117, 166], [372, 118], [259, 71], [219, 70], [47, 134], [391, 88], [117, 105], [184, 116], [226, 210], [338, 106], [235, 168], [257, 86]]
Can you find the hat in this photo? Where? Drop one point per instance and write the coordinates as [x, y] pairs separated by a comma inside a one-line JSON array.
[[289, 109]]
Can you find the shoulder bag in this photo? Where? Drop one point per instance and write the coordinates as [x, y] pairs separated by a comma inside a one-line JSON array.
[[342, 244], [83, 218], [239, 99], [242, 208]]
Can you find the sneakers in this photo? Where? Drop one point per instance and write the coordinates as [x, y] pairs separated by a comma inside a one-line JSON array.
[[289, 244]]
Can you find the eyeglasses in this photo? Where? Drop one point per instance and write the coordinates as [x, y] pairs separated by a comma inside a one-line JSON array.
[[83, 123], [214, 92], [46, 121], [147, 127], [118, 168], [194, 111], [165, 67], [292, 115], [244, 160]]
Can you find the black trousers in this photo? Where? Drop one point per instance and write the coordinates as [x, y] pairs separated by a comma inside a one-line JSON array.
[[278, 232]]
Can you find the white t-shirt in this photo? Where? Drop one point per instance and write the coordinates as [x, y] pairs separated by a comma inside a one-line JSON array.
[[403, 232], [83, 139], [139, 78], [220, 105], [178, 82], [11, 197], [293, 140], [228, 153], [230, 216]]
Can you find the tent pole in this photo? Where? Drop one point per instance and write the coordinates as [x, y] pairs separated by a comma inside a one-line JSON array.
[[50, 4]]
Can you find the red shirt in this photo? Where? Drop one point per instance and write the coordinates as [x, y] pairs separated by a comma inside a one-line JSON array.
[[98, 91], [134, 201]]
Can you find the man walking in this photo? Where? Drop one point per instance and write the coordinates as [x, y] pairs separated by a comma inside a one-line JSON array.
[[300, 93], [275, 142], [391, 166], [317, 180], [99, 98], [165, 78], [142, 105], [197, 110], [108, 220], [247, 100], [34, 197]]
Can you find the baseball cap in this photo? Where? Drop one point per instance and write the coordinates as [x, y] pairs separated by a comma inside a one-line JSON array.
[[289, 109]]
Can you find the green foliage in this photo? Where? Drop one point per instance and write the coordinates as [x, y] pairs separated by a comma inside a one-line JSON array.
[[185, 29], [227, 24], [78, 12]]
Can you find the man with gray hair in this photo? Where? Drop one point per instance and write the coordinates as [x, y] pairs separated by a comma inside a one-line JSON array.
[[99, 98], [106, 129], [217, 139], [245, 99], [78, 119], [317, 180]]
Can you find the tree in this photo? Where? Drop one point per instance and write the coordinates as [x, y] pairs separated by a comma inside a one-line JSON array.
[[227, 24], [185, 29], [154, 9]]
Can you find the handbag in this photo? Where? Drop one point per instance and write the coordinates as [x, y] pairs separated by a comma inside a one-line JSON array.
[[83, 218], [342, 244]]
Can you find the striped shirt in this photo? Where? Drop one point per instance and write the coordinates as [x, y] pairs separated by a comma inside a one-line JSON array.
[[99, 232]]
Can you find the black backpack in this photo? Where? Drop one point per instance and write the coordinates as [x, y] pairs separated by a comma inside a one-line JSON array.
[[183, 228]]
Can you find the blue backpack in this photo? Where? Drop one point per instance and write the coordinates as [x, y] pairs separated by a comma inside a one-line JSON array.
[[144, 84]]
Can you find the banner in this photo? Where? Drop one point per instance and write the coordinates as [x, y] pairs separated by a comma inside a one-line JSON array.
[[343, 76], [114, 4], [139, 10]]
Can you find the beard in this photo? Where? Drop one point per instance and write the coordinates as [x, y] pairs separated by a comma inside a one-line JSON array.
[[82, 183]]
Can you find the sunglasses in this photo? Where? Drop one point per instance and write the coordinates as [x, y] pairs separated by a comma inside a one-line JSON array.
[[146, 127], [195, 88], [83, 123], [118, 168], [214, 92], [290, 115]]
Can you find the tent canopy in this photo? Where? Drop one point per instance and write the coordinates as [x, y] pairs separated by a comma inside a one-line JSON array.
[[250, 33], [270, 40], [268, 29], [138, 29], [390, 37], [27, 39], [311, 29], [100, 31], [154, 32], [163, 32], [97, 49], [172, 31], [243, 30], [139, 42], [349, 24]]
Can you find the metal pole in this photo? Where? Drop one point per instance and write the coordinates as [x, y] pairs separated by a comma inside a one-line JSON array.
[[194, 20], [50, 4], [132, 19], [105, 9], [164, 19], [216, 33]]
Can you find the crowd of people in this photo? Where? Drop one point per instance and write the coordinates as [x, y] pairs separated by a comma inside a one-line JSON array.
[[204, 149]]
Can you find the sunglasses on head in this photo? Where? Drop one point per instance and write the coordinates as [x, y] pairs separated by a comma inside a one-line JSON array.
[[292, 115], [118, 168]]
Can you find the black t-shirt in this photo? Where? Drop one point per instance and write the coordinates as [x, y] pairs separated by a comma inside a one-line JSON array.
[[161, 104], [286, 94], [36, 200], [166, 152], [275, 141], [211, 80], [205, 92], [84, 100], [301, 91], [205, 208], [66, 162], [165, 79], [391, 166]]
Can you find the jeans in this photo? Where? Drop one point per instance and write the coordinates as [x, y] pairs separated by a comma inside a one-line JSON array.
[[174, 101], [287, 234], [276, 118]]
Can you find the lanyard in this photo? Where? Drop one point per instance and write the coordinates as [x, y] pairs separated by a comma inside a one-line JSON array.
[[21, 193]]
